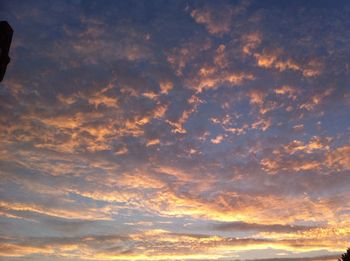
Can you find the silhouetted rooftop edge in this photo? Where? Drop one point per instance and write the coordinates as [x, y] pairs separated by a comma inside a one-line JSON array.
[[6, 33]]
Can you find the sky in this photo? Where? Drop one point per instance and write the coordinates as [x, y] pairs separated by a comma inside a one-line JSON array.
[[175, 130]]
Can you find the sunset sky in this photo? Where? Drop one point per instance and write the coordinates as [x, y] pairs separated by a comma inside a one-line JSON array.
[[175, 130]]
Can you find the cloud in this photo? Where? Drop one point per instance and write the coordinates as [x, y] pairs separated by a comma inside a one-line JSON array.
[[250, 42], [218, 20], [274, 59], [271, 59], [339, 158], [194, 102], [183, 55], [68, 225], [166, 87], [218, 139], [316, 99], [262, 124], [216, 79], [169, 245], [87, 214], [315, 154], [257, 97], [174, 131], [276, 228], [153, 142], [97, 41], [290, 91], [327, 258]]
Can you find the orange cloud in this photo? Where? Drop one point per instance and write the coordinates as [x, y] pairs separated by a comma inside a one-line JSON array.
[[87, 214], [214, 24], [152, 142], [339, 158], [251, 41], [272, 59], [316, 99], [218, 139], [218, 19], [166, 87]]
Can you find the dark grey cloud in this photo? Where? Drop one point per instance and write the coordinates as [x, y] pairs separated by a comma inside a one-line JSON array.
[[242, 226], [329, 257]]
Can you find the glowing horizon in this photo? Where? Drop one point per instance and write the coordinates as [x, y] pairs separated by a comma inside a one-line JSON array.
[[175, 130]]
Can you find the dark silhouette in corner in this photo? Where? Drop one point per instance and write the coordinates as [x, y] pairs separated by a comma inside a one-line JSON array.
[[346, 256], [6, 33]]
